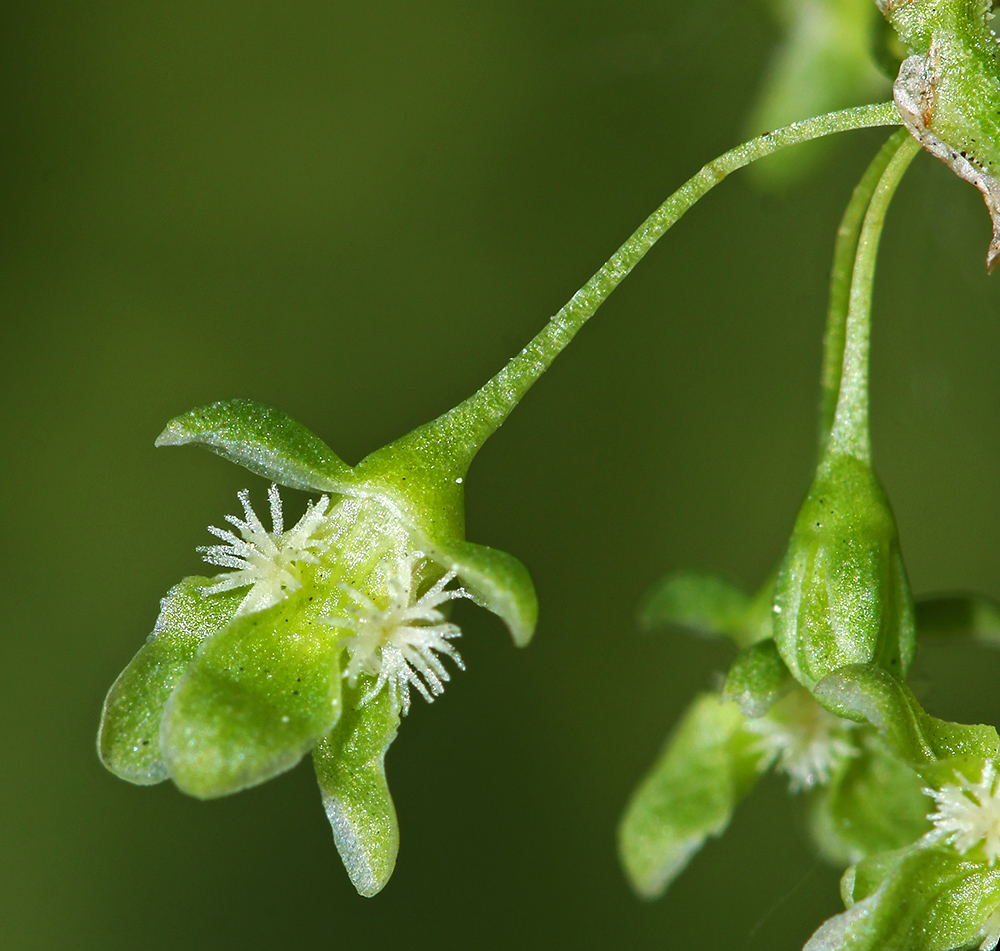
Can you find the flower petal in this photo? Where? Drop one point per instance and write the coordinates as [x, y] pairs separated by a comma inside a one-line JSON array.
[[262, 439], [708, 605], [757, 679], [874, 804], [128, 740], [868, 692], [920, 899], [710, 762], [497, 581], [350, 768], [257, 698]]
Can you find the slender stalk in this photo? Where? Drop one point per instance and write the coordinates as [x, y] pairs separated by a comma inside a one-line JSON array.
[[850, 434], [844, 250], [469, 424]]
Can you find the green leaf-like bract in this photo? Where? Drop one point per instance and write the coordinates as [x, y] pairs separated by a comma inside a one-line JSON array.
[[709, 763], [350, 767], [128, 741], [257, 698]]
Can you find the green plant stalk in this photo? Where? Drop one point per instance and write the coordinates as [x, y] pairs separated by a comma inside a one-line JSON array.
[[842, 596], [425, 470], [468, 425], [850, 434], [845, 250], [709, 604]]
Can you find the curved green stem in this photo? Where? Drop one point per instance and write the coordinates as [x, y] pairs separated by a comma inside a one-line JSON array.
[[467, 426], [844, 250], [850, 434]]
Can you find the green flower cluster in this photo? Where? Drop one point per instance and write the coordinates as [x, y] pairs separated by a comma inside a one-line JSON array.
[[910, 804], [313, 638]]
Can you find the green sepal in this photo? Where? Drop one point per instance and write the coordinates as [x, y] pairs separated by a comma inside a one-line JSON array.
[[128, 740], [934, 748], [973, 616], [350, 768], [757, 679], [873, 804], [925, 898], [256, 699], [709, 763], [842, 596], [710, 606], [262, 439], [496, 580]]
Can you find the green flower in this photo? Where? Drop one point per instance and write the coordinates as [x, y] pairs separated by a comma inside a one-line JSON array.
[[860, 797], [839, 597], [842, 595], [313, 636], [942, 892]]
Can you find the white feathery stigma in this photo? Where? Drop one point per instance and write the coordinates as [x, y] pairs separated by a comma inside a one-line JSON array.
[[803, 740], [268, 561], [968, 814], [399, 644]]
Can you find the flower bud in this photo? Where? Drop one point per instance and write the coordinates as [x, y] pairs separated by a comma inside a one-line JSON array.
[[842, 595]]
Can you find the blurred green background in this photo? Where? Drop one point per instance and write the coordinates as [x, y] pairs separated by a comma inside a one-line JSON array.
[[356, 213]]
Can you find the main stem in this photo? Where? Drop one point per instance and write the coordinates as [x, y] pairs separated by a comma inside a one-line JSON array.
[[850, 434], [471, 422], [844, 251]]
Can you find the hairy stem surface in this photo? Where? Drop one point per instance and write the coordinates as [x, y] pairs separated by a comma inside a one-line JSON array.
[[844, 251], [472, 421], [850, 434]]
